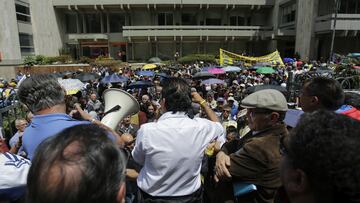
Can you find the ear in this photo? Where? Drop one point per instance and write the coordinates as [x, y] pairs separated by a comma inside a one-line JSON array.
[[274, 117], [297, 181], [120, 197], [315, 100]]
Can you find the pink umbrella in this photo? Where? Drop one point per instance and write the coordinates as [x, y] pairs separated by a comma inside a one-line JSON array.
[[216, 71]]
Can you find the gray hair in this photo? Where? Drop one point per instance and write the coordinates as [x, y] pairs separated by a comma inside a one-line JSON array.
[[40, 92]]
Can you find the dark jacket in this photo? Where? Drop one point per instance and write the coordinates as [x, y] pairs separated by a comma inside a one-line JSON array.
[[256, 159]]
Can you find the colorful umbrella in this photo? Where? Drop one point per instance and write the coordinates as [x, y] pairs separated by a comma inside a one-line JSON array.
[[71, 86], [288, 60], [203, 75], [145, 73], [84, 77], [216, 71], [114, 78], [212, 81], [265, 70], [141, 84], [149, 66], [232, 69]]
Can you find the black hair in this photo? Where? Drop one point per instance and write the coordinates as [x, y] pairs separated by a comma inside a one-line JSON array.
[[79, 165], [352, 99], [40, 92], [326, 146], [328, 91], [177, 95]]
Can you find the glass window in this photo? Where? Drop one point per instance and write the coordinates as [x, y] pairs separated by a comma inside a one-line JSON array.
[[288, 13], [352, 6], [27, 50], [22, 13], [26, 40], [117, 21], [213, 21], [188, 19], [237, 21], [93, 24], [165, 19], [71, 22]]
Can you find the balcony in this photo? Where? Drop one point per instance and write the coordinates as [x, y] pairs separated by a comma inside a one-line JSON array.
[[194, 31], [345, 22], [162, 2]]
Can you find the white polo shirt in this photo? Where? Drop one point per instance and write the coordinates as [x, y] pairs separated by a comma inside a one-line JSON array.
[[171, 152]]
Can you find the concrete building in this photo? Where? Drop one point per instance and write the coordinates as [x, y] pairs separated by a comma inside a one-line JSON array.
[[141, 29]]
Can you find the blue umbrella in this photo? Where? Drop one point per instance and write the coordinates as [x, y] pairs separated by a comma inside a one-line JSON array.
[[141, 84], [288, 60], [209, 67], [164, 75], [114, 78], [145, 73], [232, 69], [212, 81]]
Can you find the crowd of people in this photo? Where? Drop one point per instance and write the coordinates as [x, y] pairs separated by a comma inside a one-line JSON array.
[[189, 142]]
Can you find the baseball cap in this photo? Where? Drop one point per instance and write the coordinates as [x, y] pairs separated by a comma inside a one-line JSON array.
[[231, 99], [266, 99]]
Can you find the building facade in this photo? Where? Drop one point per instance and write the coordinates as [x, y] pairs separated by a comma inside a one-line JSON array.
[[141, 29]]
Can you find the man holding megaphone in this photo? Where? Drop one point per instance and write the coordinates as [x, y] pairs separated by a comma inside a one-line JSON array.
[[45, 98]]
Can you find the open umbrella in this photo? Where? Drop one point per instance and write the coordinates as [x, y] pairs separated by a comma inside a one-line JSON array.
[[141, 84], [216, 71], [71, 86], [155, 60], [212, 81], [288, 60], [164, 75], [149, 66], [229, 69], [145, 73], [256, 88], [114, 78], [265, 70], [203, 75], [84, 77]]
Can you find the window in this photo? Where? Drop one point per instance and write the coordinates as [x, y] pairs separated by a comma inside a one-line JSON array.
[[93, 24], [237, 21], [26, 43], [71, 22], [213, 21], [188, 19], [288, 14], [22, 13], [165, 19], [117, 21], [349, 6]]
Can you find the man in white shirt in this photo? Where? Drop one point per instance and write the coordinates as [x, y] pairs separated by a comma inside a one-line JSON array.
[[171, 149]]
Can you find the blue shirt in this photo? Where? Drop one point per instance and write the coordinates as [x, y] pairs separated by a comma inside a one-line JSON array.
[[45, 126]]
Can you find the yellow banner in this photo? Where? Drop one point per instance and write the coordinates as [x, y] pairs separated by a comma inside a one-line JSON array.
[[229, 58]]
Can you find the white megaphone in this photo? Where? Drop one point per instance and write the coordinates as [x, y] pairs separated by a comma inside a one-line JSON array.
[[118, 105]]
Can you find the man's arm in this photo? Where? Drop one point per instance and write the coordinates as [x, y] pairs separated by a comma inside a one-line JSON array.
[[138, 153], [208, 111]]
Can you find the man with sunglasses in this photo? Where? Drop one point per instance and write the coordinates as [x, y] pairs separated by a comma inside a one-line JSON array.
[[255, 158]]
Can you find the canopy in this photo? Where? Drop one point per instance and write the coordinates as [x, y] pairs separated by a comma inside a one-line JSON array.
[[84, 77]]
